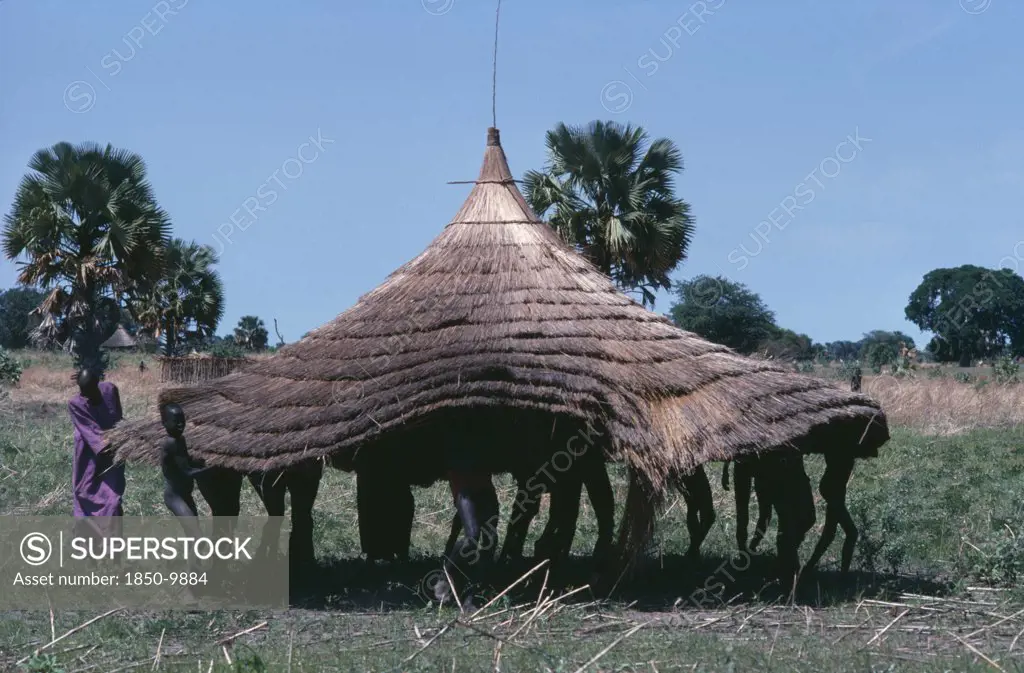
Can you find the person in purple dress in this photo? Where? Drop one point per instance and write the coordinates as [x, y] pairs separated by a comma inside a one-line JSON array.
[[98, 484]]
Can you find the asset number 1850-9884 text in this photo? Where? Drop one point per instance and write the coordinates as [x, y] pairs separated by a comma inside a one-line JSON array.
[[146, 579]]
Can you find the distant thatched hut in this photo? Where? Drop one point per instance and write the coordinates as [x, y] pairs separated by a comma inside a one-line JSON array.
[[495, 327], [197, 368], [119, 340]]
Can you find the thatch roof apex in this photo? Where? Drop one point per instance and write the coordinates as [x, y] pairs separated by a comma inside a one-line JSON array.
[[499, 313], [119, 339]]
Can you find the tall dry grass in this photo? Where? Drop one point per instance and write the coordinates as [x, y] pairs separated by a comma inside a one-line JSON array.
[[51, 381], [944, 406], [48, 381]]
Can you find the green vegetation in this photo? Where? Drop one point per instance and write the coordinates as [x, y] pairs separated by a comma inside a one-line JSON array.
[[226, 347], [186, 303], [880, 350], [729, 313], [87, 229], [90, 232], [785, 344], [974, 312], [1006, 370], [42, 663], [842, 350], [609, 192], [10, 367], [723, 311], [251, 334], [16, 319], [758, 639], [878, 355]]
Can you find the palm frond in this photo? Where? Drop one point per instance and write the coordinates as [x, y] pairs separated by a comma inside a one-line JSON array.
[[608, 190], [87, 227]]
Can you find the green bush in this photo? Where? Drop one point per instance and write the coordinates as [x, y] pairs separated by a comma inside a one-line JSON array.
[[902, 372], [1006, 370], [250, 663], [42, 663], [846, 370], [880, 541], [879, 355], [10, 368], [226, 349], [997, 560], [963, 377]]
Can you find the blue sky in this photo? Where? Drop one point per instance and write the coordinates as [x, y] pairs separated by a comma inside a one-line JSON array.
[[221, 99]]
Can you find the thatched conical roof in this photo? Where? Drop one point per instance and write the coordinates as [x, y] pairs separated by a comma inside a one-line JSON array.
[[498, 312], [119, 339]]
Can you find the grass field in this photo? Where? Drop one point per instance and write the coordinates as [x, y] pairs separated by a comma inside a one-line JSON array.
[[939, 581]]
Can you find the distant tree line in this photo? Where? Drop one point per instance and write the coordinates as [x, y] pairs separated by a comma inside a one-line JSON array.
[[731, 314], [974, 313], [19, 320]]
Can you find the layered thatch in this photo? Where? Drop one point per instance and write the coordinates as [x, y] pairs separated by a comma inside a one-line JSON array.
[[119, 340], [194, 369], [499, 313]]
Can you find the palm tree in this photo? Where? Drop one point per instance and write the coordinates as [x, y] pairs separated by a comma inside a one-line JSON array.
[[610, 194], [90, 231], [188, 301], [251, 334]]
